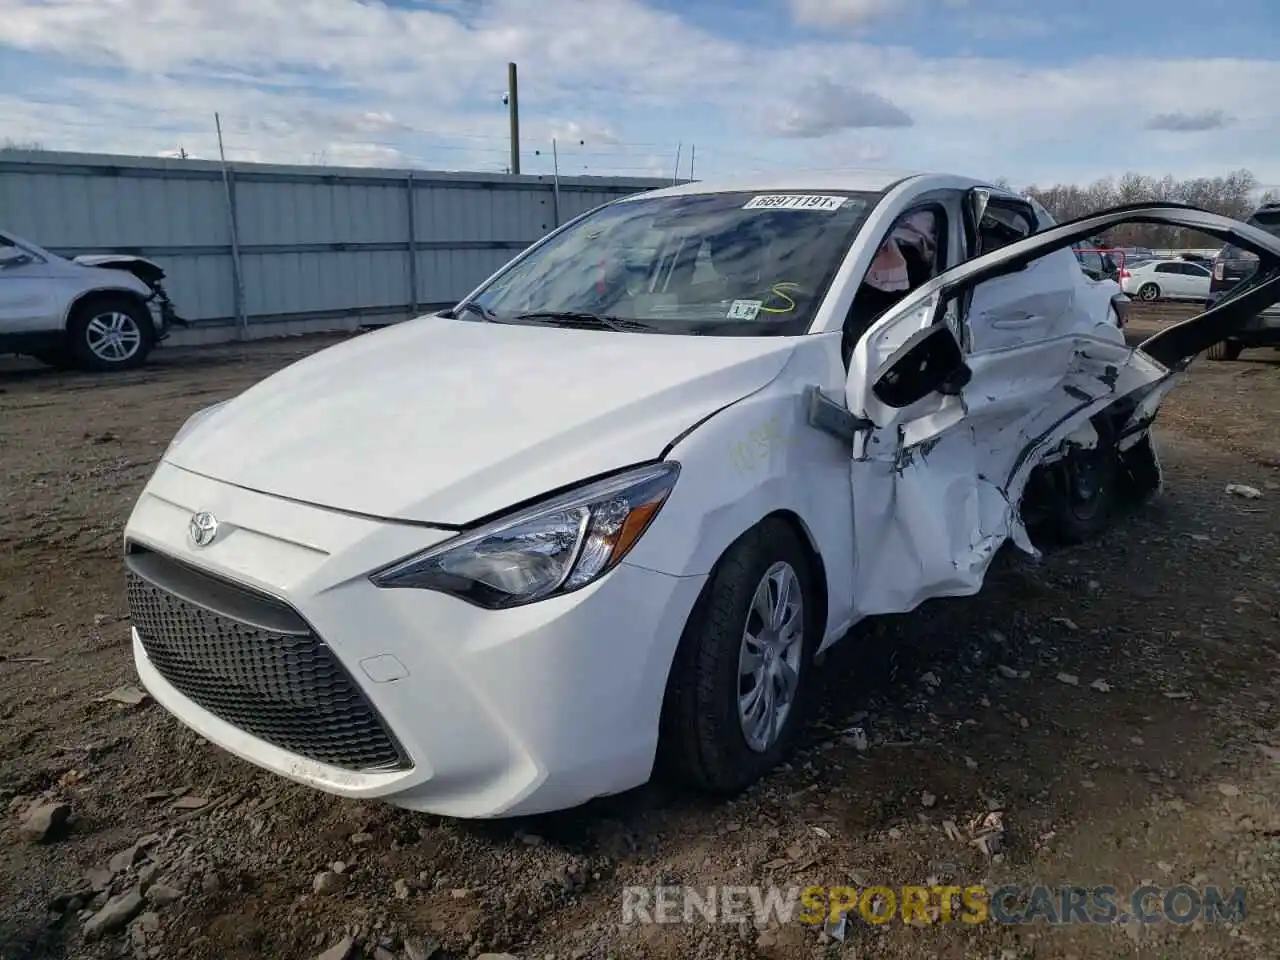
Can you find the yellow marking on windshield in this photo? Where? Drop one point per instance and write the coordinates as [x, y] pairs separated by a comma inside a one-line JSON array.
[[777, 291]]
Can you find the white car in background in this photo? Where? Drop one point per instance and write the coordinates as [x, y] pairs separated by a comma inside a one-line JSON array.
[[1166, 280], [605, 513], [97, 312]]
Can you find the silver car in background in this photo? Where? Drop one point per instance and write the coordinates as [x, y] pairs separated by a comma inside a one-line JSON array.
[[96, 312]]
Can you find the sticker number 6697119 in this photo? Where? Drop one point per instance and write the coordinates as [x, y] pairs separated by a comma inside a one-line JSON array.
[[795, 201]]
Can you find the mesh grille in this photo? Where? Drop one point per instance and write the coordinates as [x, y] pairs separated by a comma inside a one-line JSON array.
[[285, 688]]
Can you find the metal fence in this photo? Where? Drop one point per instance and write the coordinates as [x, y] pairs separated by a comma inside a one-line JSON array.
[[258, 249]]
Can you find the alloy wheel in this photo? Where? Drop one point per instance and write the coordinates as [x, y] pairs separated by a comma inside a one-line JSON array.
[[770, 657], [113, 337]]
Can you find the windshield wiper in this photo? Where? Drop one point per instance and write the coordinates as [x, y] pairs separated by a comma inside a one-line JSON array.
[[573, 318], [472, 307]]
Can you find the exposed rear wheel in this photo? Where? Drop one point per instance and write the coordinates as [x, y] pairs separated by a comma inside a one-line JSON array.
[[110, 333], [1140, 473], [739, 685], [1225, 350], [1088, 481], [1149, 292]]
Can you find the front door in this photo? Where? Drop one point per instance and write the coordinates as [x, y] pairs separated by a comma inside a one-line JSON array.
[[27, 302], [937, 479]]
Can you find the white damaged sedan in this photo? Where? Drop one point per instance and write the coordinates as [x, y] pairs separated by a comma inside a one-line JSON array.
[[606, 511]]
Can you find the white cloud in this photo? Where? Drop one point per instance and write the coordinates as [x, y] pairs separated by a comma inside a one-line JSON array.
[[295, 80], [841, 13], [826, 107], [571, 131]]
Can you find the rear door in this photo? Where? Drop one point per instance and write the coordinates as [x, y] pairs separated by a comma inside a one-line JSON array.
[[936, 483], [1195, 281], [1022, 305], [1168, 277]]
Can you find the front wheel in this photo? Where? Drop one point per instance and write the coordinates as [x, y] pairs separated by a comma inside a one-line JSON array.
[[1149, 292], [110, 333], [740, 682]]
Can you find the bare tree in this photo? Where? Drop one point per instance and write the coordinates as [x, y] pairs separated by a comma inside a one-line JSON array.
[[21, 146], [1231, 195]]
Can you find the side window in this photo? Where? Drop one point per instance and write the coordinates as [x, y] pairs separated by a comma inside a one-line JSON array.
[[1004, 222], [11, 255], [913, 252], [1168, 268]]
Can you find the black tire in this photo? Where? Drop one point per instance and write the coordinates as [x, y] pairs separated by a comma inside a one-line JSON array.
[[1140, 471], [1079, 518], [1225, 350], [1150, 292], [702, 741], [83, 331]]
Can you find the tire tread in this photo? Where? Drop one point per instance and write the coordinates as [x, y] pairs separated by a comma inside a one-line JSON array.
[[83, 311], [696, 728]]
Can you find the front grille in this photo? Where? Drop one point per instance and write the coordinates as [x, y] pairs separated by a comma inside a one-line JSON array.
[[263, 671]]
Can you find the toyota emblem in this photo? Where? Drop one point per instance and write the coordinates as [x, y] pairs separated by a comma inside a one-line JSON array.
[[202, 528]]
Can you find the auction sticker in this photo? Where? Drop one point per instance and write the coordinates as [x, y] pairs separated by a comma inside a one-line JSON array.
[[795, 201], [744, 309]]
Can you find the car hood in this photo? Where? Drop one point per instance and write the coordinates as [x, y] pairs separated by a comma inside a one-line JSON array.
[[445, 421], [118, 261]]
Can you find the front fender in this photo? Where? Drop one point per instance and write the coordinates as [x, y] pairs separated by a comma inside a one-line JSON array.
[[756, 458], [143, 297]]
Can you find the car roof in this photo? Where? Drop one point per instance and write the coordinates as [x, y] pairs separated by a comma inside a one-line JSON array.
[[853, 180]]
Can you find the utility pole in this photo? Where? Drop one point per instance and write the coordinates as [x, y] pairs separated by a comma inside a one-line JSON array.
[[237, 273], [513, 111]]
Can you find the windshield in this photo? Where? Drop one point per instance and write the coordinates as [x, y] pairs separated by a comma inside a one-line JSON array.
[[724, 263]]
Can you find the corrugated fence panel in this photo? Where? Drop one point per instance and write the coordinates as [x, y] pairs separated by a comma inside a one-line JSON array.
[[314, 241], [203, 284]]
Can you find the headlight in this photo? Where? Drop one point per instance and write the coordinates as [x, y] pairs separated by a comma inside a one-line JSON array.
[[556, 547], [191, 423]]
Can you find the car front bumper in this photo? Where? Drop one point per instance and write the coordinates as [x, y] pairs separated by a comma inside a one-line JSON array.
[[161, 320], [408, 696]]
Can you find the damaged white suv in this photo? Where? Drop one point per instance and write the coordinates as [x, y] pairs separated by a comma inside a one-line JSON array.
[[604, 513]]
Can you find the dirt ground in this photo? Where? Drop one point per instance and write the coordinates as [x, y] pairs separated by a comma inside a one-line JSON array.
[[1117, 704]]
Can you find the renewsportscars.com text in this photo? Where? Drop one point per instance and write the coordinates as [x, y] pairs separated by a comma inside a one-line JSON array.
[[976, 904]]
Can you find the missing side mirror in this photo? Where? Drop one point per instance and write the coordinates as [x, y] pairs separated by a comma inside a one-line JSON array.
[[930, 361]]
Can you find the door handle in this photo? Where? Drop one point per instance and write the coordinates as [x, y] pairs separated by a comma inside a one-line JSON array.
[[1014, 322]]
